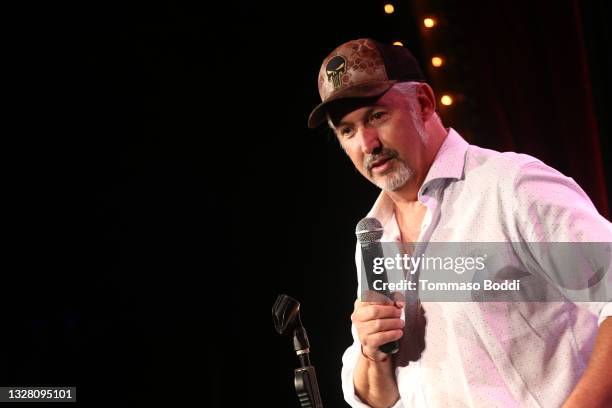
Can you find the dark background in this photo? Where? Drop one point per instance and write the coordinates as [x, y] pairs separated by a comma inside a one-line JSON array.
[[163, 188]]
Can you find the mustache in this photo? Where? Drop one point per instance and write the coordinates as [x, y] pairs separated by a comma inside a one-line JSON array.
[[384, 154]]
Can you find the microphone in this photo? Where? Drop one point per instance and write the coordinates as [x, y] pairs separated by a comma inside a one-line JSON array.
[[369, 231]]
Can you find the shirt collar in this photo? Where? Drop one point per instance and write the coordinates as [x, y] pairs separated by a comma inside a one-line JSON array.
[[448, 164], [450, 159]]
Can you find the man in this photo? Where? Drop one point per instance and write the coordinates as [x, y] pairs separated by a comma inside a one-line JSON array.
[[438, 188]]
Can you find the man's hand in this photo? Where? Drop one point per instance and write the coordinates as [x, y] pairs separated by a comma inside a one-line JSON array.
[[377, 323]]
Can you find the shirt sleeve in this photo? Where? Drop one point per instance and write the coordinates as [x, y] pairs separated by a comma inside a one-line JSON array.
[[606, 312], [558, 221]]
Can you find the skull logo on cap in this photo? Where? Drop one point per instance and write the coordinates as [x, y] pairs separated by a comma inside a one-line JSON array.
[[335, 68]]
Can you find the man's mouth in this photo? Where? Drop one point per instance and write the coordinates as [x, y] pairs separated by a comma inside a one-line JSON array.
[[379, 163]]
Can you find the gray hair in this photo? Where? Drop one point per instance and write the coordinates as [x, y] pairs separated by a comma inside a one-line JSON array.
[[409, 91]]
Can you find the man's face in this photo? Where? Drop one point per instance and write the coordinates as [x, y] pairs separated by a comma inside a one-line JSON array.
[[383, 141]]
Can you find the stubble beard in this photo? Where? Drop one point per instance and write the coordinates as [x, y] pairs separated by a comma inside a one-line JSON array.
[[396, 177]]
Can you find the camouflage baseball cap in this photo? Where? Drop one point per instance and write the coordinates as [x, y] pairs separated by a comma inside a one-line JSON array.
[[362, 68]]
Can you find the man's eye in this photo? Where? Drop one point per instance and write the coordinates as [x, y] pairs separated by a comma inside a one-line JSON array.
[[376, 116], [346, 131]]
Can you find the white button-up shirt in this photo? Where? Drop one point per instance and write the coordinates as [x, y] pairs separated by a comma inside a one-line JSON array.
[[486, 354]]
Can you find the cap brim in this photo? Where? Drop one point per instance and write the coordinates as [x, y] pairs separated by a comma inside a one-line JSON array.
[[368, 90]]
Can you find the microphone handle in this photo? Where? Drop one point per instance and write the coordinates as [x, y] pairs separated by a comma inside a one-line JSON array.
[[390, 348], [370, 251]]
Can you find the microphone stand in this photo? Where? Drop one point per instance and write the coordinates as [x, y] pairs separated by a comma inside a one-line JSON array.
[[287, 321]]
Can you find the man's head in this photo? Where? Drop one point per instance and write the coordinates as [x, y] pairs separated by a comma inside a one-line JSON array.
[[387, 127], [386, 138], [362, 68]]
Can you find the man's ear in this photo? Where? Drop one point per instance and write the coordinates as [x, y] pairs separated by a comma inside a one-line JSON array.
[[427, 101]]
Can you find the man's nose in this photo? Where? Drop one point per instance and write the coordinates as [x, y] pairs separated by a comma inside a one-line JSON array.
[[370, 141]]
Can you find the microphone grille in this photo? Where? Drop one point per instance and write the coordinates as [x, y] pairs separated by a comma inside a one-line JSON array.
[[368, 230]]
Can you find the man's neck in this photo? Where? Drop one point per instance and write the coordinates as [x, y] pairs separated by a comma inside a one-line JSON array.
[[409, 217]]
